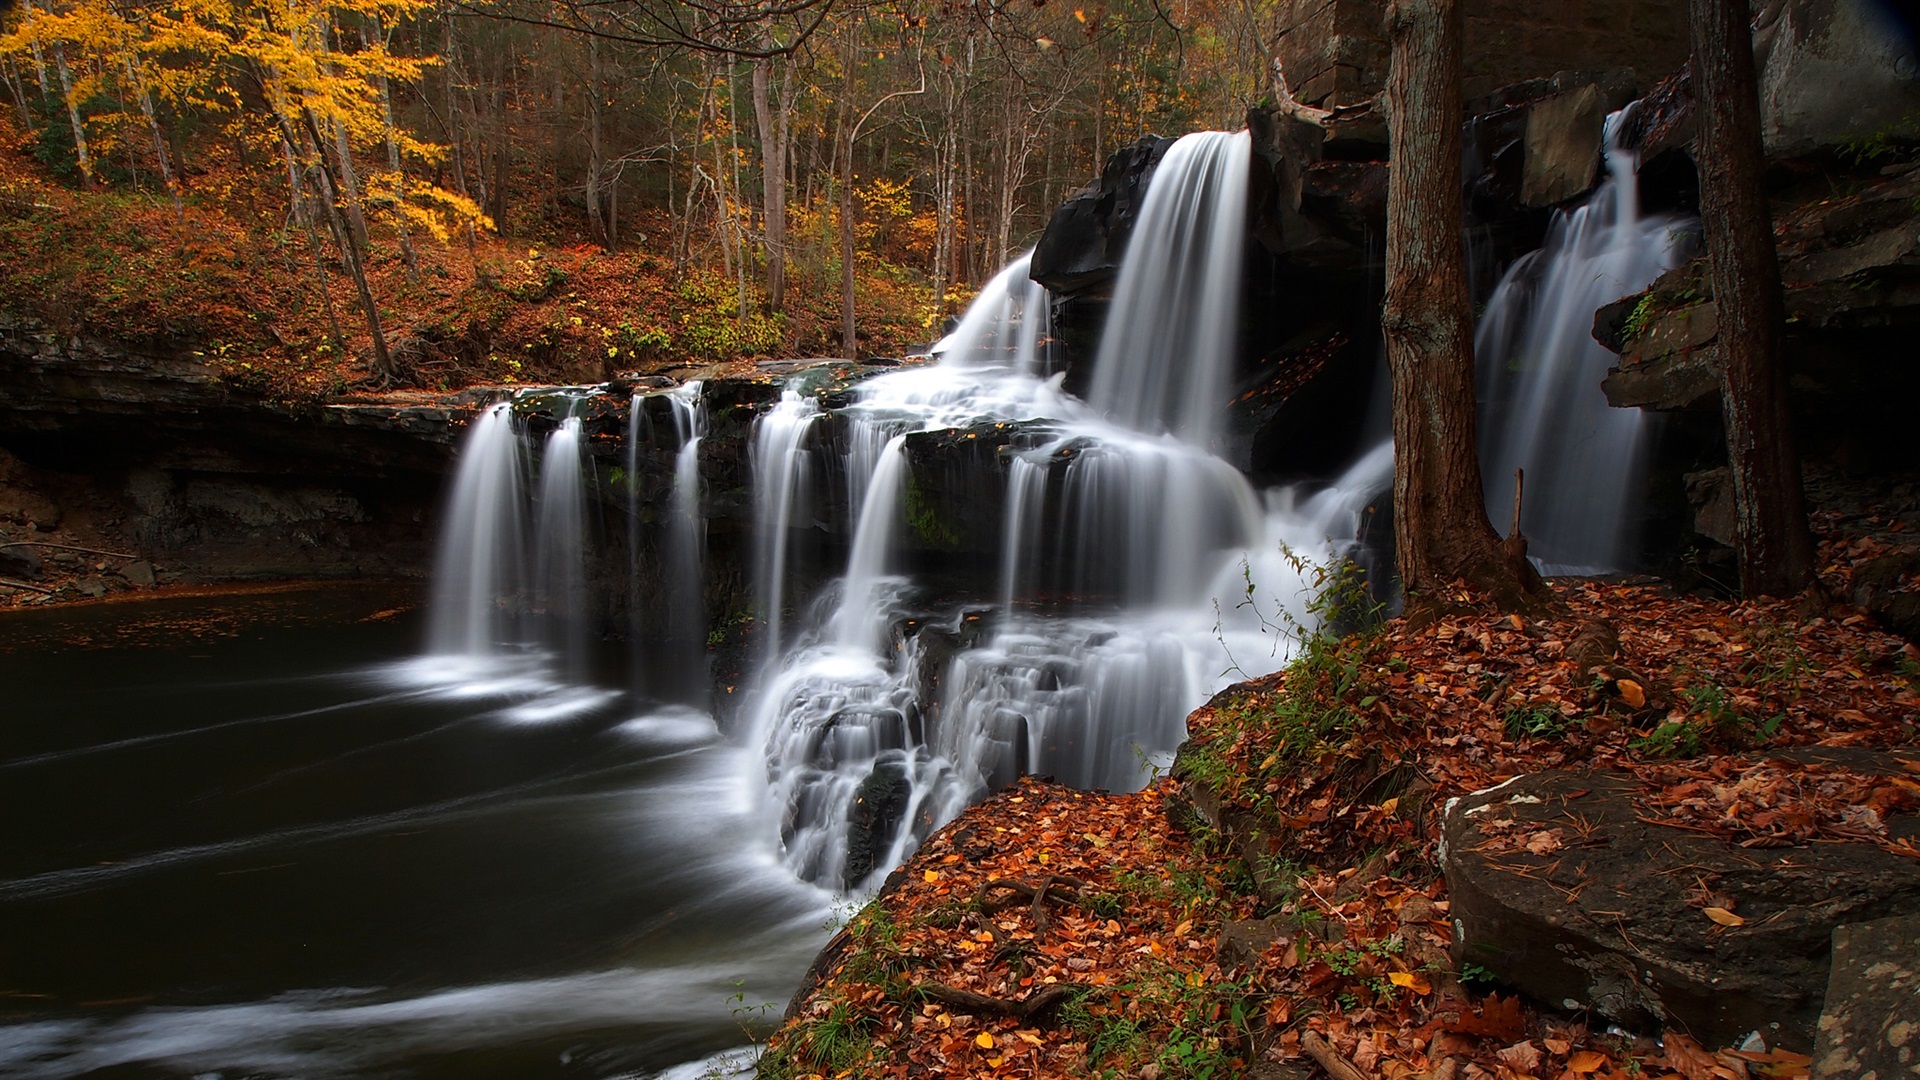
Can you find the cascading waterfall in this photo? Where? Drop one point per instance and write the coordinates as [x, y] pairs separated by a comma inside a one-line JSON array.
[[1118, 501], [481, 565], [560, 595], [1167, 348], [685, 560], [782, 481], [1541, 372]]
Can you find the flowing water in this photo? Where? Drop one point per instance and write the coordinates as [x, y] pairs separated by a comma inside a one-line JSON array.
[[303, 857], [1543, 409]]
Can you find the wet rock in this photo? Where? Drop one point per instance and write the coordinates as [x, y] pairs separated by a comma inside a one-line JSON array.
[[139, 572], [879, 807], [1834, 73], [1563, 141], [1611, 922], [92, 586], [1087, 236], [1870, 1028]]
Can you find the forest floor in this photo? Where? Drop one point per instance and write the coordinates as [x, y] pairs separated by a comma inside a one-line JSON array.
[[228, 275], [1057, 933]]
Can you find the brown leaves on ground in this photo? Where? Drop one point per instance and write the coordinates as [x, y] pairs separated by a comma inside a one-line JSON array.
[[1346, 757]]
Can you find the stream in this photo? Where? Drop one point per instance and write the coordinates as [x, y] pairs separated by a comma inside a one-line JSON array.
[[250, 835]]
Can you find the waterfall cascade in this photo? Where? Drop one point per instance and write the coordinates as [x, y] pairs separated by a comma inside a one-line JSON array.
[[1540, 371], [1134, 571]]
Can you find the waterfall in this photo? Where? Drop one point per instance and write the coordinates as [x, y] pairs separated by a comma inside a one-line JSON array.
[[1540, 373], [560, 596], [682, 572], [1167, 348], [861, 619], [481, 563], [891, 710], [781, 479]]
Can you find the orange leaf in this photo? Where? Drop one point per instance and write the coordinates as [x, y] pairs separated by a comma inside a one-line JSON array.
[[1410, 981], [1632, 693], [1586, 1061], [984, 1040], [1724, 917]]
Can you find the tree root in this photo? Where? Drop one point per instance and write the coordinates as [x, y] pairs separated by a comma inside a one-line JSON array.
[[1037, 894], [1041, 1000]]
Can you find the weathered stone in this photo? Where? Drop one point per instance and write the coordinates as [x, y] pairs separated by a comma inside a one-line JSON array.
[[1608, 921], [138, 572], [1885, 587], [19, 562], [1243, 940], [1563, 140], [1870, 1028], [1833, 73], [1710, 492], [1678, 380], [91, 585]]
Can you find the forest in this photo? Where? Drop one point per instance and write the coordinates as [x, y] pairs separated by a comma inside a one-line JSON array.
[[358, 175], [1006, 539]]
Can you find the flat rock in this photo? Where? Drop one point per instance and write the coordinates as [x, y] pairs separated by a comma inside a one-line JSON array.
[[1607, 914], [1870, 1029]]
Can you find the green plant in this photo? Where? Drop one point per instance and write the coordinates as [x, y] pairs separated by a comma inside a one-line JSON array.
[[1712, 721], [1636, 321], [1535, 722]]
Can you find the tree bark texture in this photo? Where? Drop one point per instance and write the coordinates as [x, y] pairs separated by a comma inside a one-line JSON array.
[[1772, 540], [1440, 521]]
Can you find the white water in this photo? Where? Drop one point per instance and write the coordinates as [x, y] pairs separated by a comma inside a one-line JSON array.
[[1167, 348], [1116, 505], [560, 585], [685, 562], [1541, 371], [481, 562]]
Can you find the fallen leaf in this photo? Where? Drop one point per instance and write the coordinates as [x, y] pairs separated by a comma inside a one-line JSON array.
[[1724, 917], [931, 876], [984, 1040], [1521, 1057], [1632, 693], [1410, 981], [1586, 1061]]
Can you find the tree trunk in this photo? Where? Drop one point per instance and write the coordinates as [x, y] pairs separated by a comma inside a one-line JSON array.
[[407, 254], [849, 132], [1440, 520], [596, 151], [351, 252], [1774, 544], [773, 114], [19, 94], [73, 116]]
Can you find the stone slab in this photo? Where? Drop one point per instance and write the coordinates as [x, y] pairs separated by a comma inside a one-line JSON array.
[[1870, 1028]]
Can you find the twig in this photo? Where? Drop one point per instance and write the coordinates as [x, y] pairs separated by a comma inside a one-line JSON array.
[[68, 547], [1322, 1051], [12, 584]]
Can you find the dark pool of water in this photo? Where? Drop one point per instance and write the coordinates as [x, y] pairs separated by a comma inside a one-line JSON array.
[[252, 836]]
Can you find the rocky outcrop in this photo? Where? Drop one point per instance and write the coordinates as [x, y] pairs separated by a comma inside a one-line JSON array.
[[1085, 239], [1835, 74], [1563, 887]]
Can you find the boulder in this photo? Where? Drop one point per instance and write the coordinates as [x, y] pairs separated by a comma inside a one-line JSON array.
[[1870, 1028], [1563, 139], [138, 572], [1834, 74], [1884, 586], [19, 562], [1086, 237], [875, 816], [1604, 912]]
